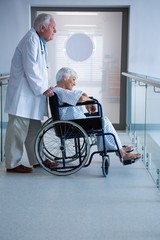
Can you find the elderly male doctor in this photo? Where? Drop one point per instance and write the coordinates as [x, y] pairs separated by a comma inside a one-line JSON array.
[[26, 98]]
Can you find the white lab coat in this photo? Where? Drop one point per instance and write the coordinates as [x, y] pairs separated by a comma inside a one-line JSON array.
[[28, 79]]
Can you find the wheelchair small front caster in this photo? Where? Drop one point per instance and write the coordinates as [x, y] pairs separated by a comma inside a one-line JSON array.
[[105, 165]]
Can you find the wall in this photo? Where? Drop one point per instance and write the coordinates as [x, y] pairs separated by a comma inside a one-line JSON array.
[[144, 39]]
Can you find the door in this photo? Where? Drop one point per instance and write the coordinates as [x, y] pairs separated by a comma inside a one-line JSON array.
[[94, 43]]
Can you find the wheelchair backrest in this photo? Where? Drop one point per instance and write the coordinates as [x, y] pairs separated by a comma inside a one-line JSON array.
[[53, 103]]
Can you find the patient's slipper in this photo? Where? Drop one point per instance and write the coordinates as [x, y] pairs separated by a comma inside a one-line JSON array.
[[131, 158]]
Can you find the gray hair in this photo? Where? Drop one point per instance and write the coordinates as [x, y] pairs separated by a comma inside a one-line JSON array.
[[65, 72], [42, 19]]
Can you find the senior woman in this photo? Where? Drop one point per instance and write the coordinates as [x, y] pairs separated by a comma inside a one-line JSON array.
[[66, 80]]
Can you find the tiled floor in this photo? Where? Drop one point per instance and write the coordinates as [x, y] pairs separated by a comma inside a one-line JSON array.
[[83, 206]]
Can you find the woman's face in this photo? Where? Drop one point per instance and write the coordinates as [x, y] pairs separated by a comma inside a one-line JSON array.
[[70, 83]]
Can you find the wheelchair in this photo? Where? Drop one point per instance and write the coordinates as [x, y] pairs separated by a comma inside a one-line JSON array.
[[68, 143]]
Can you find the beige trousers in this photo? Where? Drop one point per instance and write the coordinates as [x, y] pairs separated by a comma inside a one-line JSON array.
[[20, 132]]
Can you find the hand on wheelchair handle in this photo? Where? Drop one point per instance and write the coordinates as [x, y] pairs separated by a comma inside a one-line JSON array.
[[49, 92]]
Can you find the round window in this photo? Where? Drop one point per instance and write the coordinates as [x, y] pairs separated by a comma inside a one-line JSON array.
[[79, 47]]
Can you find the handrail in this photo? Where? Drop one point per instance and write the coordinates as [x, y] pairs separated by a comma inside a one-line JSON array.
[[149, 81], [143, 120], [4, 77]]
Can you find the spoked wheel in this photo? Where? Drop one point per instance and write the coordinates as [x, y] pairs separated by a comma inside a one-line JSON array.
[[64, 143], [49, 120], [105, 165]]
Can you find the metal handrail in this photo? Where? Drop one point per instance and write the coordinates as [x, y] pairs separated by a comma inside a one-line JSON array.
[[147, 80], [4, 77]]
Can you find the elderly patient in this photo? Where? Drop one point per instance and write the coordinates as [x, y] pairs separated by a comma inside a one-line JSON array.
[[66, 80]]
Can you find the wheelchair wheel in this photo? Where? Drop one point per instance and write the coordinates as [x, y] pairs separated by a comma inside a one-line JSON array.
[[64, 143], [46, 122], [105, 165]]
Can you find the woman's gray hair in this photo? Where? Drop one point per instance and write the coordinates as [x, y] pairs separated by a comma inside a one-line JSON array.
[[42, 19], [65, 72]]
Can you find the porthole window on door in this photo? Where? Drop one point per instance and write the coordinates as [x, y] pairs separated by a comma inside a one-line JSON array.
[[79, 47]]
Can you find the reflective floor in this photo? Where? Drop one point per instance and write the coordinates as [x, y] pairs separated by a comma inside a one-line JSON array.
[[83, 206]]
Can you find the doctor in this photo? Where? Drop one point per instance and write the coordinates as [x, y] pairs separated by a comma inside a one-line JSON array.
[[27, 92]]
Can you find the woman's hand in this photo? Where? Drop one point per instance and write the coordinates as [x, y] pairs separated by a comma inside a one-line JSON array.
[[91, 108]]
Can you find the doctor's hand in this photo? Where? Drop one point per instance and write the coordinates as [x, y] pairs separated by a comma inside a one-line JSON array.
[[49, 92]]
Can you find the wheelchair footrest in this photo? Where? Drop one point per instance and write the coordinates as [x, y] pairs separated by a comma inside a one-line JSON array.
[[127, 162]]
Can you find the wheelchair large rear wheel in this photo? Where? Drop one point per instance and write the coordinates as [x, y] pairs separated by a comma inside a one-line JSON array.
[[64, 143]]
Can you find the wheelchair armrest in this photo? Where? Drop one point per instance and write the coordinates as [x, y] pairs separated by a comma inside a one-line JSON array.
[[91, 114], [94, 101], [91, 102], [85, 103]]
